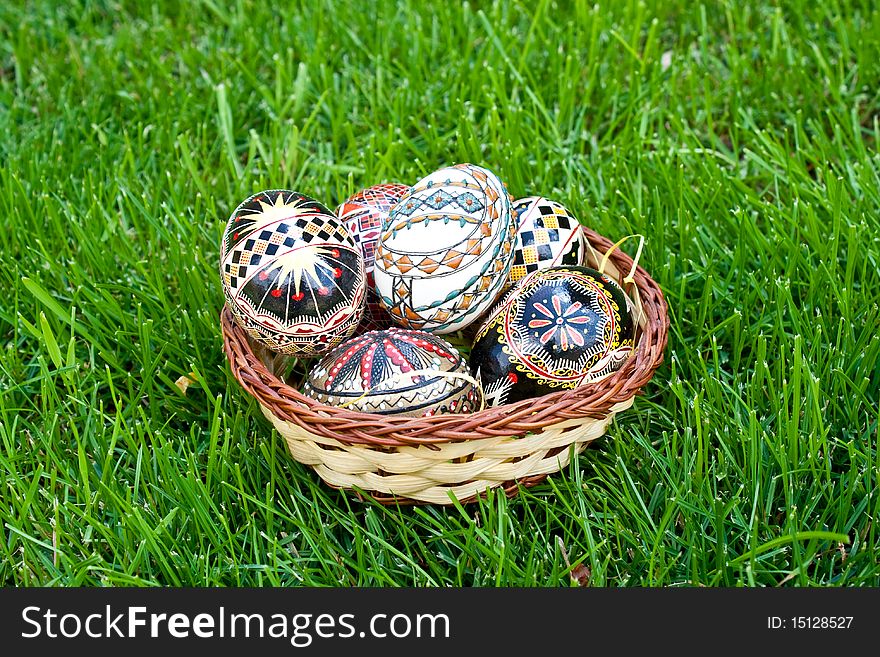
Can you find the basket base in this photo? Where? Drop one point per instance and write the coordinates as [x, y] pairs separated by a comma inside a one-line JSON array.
[[438, 474]]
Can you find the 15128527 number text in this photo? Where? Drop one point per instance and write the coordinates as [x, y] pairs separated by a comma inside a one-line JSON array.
[[809, 622]]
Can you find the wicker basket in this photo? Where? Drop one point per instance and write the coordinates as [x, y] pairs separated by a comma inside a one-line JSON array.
[[402, 460]]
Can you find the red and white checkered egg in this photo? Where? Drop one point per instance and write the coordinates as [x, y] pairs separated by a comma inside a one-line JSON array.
[[363, 214]]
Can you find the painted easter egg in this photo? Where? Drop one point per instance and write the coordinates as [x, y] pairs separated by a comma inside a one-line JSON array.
[[363, 215], [444, 255], [292, 275], [547, 235], [558, 328], [394, 372]]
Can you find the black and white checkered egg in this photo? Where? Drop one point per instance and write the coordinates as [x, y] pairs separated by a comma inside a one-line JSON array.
[[547, 235], [292, 275]]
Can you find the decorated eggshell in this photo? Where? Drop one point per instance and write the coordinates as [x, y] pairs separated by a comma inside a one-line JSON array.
[[363, 215], [445, 254], [394, 372], [292, 275], [558, 328], [547, 235]]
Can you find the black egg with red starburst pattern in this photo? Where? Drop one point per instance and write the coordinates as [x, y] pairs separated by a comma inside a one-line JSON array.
[[292, 275]]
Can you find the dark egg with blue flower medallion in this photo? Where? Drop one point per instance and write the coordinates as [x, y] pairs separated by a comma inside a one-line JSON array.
[[292, 275], [394, 372], [558, 328]]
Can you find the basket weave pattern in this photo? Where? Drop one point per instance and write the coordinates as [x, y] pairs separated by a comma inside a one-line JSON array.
[[400, 460]]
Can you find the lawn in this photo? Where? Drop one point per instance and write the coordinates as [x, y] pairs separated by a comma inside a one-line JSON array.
[[739, 138]]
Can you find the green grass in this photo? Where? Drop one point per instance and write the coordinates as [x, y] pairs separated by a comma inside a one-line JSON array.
[[739, 138]]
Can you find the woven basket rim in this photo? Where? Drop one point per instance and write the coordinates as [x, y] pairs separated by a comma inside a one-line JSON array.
[[591, 400]]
